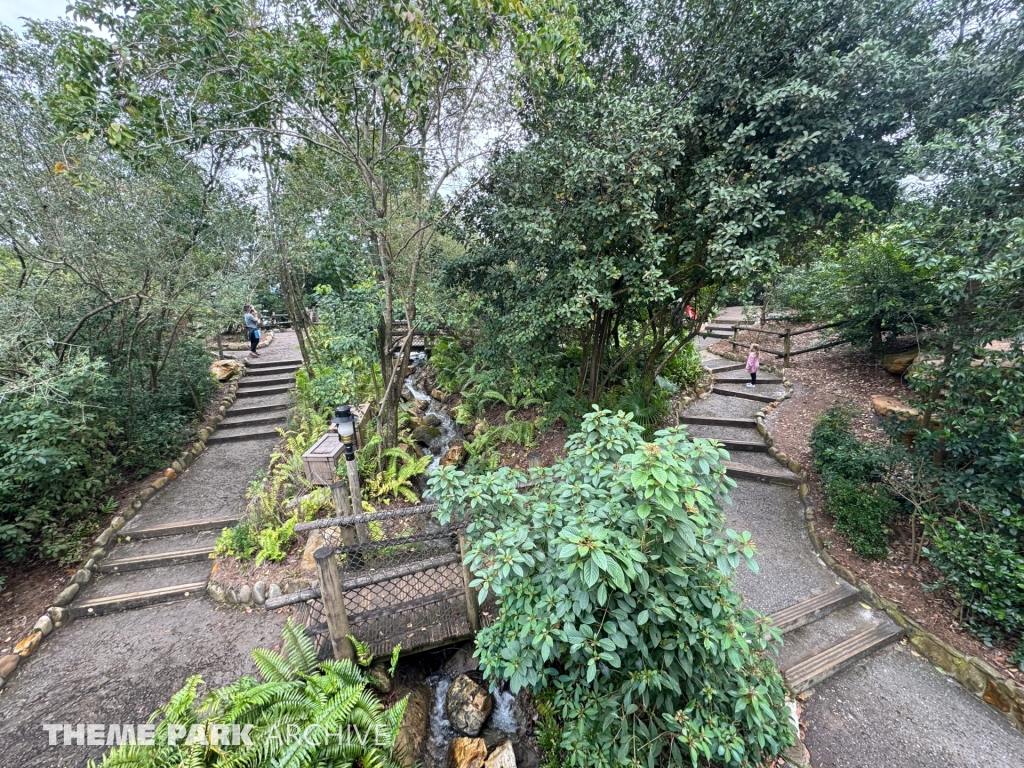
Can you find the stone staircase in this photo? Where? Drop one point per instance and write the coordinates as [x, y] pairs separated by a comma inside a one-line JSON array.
[[827, 632], [163, 554]]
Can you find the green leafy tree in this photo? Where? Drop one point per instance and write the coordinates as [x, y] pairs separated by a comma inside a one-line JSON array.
[[613, 573]]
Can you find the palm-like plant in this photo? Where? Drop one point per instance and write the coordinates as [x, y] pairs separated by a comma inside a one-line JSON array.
[[340, 722]]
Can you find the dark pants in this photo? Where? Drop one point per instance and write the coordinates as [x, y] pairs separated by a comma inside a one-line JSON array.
[[253, 340], [753, 378]]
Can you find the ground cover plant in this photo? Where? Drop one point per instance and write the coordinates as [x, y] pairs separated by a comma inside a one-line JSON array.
[[616, 605]]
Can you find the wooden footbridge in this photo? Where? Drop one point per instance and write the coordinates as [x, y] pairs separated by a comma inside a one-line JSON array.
[[387, 578]]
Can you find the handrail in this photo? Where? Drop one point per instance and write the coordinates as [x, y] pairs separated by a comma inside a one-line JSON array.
[[389, 514]]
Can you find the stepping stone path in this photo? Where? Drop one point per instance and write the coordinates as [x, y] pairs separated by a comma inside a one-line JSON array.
[[836, 649], [163, 554]]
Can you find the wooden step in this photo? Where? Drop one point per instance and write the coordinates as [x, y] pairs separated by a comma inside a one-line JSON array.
[[142, 562], [744, 472], [237, 436], [814, 608], [263, 392], [248, 383], [760, 380], [251, 363], [176, 529], [276, 371], [254, 409], [730, 367], [808, 673], [744, 394], [103, 605], [271, 417], [717, 421], [751, 446]]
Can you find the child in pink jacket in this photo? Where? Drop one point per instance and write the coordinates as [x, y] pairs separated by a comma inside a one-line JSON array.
[[753, 363]]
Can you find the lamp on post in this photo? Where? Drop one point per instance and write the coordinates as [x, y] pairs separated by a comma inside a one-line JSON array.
[[212, 296], [345, 423]]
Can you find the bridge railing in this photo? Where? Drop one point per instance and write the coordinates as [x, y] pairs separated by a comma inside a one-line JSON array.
[[388, 578]]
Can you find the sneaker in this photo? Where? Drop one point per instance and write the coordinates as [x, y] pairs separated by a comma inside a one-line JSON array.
[[750, 386]]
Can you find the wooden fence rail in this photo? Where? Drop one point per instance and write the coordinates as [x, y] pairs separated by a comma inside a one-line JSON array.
[[786, 335]]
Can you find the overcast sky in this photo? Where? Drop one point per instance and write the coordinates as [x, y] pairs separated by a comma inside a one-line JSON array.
[[12, 10]]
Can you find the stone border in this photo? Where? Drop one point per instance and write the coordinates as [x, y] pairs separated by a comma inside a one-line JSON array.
[[239, 347], [977, 676], [256, 594], [58, 614]]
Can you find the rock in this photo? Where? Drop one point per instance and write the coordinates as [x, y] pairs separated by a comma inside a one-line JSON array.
[[81, 577], [797, 755], [58, 615], [886, 406], [295, 585], [317, 538], [230, 596], [117, 523], [502, 756], [462, 662], [8, 664], [407, 394], [438, 394], [995, 695], [467, 753], [259, 592], [899, 362], [431, 420], [420, 406], [222, 370], [468, 705], [413, 732], [245, 595], [378, 677], [28, 644], [159, 483], [454, 456], [217, 592], [177, 466], [412, 450], [170, 474], [273, 591], [425, 435], [66, 596], [104, 538]]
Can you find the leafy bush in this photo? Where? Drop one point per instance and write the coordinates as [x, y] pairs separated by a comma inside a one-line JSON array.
[[862, 508], [686, 368], [341, 722], [390, 473], [614, 574]]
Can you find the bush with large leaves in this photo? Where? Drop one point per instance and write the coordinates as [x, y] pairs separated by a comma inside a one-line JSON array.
[[614, 578]]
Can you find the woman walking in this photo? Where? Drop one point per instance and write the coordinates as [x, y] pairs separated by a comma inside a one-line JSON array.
[[252, 329], [753, 363]]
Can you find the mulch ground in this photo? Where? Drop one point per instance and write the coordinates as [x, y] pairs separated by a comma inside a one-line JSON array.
[[32, 584], [844, 375]]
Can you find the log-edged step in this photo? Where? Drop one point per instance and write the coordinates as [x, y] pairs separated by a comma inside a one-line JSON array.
[[179, 528], [250, 363], [239, 435], [250, 410], [275, 371], [727, 368], [263, 391], [808, 673], [734, 393], [717, 421], [277, 416], [752, 446], [155, 560], [814, 608], [247, 383], [744, 472], [737, 380], [103, 605]]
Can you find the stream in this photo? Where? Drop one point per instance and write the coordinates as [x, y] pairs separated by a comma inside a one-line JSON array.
[[449, 430]]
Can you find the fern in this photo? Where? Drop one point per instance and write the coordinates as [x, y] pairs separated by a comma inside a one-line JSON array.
[[363, 655], [394, 478]]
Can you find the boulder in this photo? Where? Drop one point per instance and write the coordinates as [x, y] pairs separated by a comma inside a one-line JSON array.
[[502, 756], [468, 705], [170, 474], [462, 662], [411, 449], [28, 644], [431, 420], [377, 675], [317, 538], [407, 394], [259, 592], [8, 664], [454, 456], [413, 732], [438, 394], [425, 435], [223, 370], [885, 406], [899, 362], [467, 753]]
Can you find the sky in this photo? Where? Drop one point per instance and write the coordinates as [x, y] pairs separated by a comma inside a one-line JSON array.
[[11, 10]]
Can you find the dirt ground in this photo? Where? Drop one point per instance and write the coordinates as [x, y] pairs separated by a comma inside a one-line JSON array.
[[845, 375], [31, 585]]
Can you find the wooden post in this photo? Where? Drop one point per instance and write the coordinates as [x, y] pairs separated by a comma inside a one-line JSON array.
[[735, 337], [785, 349], [472, 604], [334, 603], [339, 494], [352, 468]]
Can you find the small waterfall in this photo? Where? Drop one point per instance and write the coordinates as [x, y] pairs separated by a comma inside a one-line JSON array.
[[448, 429], [440, 733]]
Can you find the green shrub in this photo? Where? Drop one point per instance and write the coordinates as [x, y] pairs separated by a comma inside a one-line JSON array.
[[686, 368], [836, 451], [863, 514], [341, 722], [614, 573]]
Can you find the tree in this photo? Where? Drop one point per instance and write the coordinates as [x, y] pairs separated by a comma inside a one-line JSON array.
[[714, 139], [614, 578], [405, 95]]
